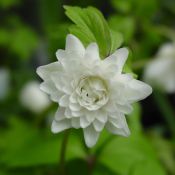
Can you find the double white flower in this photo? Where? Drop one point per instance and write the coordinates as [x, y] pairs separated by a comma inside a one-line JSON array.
[[160, 72], [92, 93]]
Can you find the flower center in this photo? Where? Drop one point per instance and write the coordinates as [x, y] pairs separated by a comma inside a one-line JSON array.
[[92, 92]]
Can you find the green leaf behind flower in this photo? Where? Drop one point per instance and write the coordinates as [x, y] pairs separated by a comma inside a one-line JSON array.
[[91, 26]]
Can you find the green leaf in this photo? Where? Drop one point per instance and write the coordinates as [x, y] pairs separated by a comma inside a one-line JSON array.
[[91, 26], [134, 119], [146, 167], [128, 155], [165, 150], [25, 146], [116, 40]]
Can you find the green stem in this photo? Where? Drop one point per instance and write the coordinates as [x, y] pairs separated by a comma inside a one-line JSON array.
[[63, 152], [166, 110]]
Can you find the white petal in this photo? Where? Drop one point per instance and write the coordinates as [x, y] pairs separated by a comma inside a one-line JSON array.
[[90, 136], [68, 113], [92, 52], [118, 58], [125, 108], [73, 44], [45, 71], [49, 87], [98, 125], [84, 122], [60, 126], [110, 106], [90, 116], [73, 98], [62, 82], [75, 122], [77, 113], [75, 106], [137, 90], [123, 130], [60, 114], [64, 101], [102, 116]]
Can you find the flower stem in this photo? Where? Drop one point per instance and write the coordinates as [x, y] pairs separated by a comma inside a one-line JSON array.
[[166, 110], [63, 152]]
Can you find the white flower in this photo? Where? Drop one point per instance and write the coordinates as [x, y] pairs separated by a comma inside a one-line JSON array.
[[92, 93], [33, 99], [160, 72], [4, 82]]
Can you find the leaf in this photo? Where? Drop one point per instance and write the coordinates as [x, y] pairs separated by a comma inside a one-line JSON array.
[[128, 155], [116, 40], [134, 120], [26, 146], [91, 26], [148, 167]]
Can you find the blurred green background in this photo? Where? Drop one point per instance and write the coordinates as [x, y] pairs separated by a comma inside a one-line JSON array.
[[30, 33]]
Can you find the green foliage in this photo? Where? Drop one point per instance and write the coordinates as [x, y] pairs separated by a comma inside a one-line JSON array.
[[27, 148], [5, 4], [19, 39], [141, 9], [90, 26], [123, 24], [34, 147]]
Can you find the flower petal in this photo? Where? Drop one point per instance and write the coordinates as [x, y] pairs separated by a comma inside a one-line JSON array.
[[75, 122], [102, 116], [64, 101], [119, 128], [73, 44], [45, 71], [92, 52], [125, 108], [118, 58], [60, 114], [84, 122], [137, 90], [90, 135], [75, 106], [98, 125], [49, 87], [60, 126]]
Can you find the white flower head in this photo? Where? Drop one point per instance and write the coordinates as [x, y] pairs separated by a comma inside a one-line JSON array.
[[33, 98], [160, 72], [92, 93]]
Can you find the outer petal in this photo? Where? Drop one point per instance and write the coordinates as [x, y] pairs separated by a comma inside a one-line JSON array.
[[75, 122], [73, 44], [45, 71], [84, 122], [98, 125], [64, 101], [137, 90], [49, 87], [91, 136], [60, 114], [58, 126], [118, 128], [118, 58], [92, 52]]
